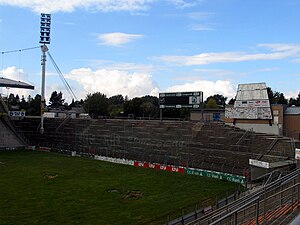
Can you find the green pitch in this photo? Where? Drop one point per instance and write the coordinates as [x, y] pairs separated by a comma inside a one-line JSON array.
[[48, 188]]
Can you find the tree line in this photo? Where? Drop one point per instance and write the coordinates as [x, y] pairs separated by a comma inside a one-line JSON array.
[[99, 105]]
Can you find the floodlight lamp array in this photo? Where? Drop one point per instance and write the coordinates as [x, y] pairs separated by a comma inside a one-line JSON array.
[[45, 28]]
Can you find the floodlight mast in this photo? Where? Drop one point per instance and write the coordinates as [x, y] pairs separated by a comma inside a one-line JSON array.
[[44, 39]]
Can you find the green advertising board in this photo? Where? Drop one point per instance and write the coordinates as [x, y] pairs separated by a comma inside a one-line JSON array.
[[216, 175]]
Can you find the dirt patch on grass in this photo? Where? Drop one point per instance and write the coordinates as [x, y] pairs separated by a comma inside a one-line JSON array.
[[50, 176], [113, 190], [133, 195]]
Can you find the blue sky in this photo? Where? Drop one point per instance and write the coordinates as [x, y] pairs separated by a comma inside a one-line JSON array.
[[140, 47]]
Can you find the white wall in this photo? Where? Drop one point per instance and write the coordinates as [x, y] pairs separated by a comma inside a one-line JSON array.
[[260, 128]]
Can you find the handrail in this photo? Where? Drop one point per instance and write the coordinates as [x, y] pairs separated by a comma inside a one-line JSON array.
[[234, 211], [67, 119], [243, 200], [241, 138]]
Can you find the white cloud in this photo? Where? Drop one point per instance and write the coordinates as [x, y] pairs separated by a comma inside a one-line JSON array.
[[291, 94], [209, 88], [274, 52], [199, 15], [201, 27], [183, 3], [201, 21], [117, 38], [112, 82], [139, 68], [297, 60], [94, 5], [14, 74], [69, 6]]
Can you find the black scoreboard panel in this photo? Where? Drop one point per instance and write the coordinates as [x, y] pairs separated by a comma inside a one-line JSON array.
[[181, 100]]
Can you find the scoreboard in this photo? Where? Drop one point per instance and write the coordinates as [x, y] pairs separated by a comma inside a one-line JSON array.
[[178, 100]]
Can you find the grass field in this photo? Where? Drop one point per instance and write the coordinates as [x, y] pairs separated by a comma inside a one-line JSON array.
[[48, 188]]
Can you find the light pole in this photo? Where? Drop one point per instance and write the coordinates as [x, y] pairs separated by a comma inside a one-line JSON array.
[[44, 39]]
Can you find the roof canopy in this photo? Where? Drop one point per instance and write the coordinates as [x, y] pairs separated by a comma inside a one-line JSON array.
[[4, 82]]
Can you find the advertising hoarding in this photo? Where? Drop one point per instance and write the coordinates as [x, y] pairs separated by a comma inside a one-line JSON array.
[[16, 113]]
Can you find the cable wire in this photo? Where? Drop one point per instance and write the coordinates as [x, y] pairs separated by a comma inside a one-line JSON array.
[[19, 50], [66, 84]]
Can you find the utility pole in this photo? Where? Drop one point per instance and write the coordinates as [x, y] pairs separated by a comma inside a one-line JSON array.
[[44, 39]]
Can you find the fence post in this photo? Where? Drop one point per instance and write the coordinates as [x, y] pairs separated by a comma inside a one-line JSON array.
[[293, 195], [257, 212], [235, 218]]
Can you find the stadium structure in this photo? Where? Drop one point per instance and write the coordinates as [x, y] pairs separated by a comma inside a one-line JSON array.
[[249, 147], [215, 149]]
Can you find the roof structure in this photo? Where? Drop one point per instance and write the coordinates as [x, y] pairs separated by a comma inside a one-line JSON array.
[[255, 91], [4, 82], [292, 110]]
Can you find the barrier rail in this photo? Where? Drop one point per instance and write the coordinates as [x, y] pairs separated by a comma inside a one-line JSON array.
[[273, 203]]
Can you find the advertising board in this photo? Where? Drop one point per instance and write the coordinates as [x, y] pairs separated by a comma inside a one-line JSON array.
[[258, 163], [252, 103], [216, 175], [159, 166], [16, 113], [297, 153], [177, 100], [248, 113]]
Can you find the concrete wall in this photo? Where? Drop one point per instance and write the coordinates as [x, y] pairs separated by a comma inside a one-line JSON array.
[[259, 128], [8, 138]]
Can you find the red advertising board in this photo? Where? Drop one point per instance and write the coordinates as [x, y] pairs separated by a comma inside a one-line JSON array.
[[159, 167]]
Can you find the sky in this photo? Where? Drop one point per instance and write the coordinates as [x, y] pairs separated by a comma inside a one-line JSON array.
[[143, 47]]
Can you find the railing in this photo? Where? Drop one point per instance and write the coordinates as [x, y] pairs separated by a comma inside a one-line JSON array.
[[242, 137], [66, 120], [269, 149], [278, 201]]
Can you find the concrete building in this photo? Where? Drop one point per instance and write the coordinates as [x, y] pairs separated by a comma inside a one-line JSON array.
[[252, 110], [292, 122], [208, 115]]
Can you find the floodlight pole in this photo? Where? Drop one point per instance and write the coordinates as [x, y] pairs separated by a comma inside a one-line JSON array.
[[44, 39], [43, 104]]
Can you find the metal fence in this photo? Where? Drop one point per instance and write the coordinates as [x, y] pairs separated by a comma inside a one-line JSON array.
[[275, 203]]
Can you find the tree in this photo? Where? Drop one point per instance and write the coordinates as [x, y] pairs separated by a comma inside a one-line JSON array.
[[150, 106], [144, 106], [220, 100], [211, 103], [96, 105], [116, 103], [133, 107], [56, 99], [12, 101], [295, 101], [116, 100], [23, 104], [231, 101], [148, 109], [35, 106], [276, 97]]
